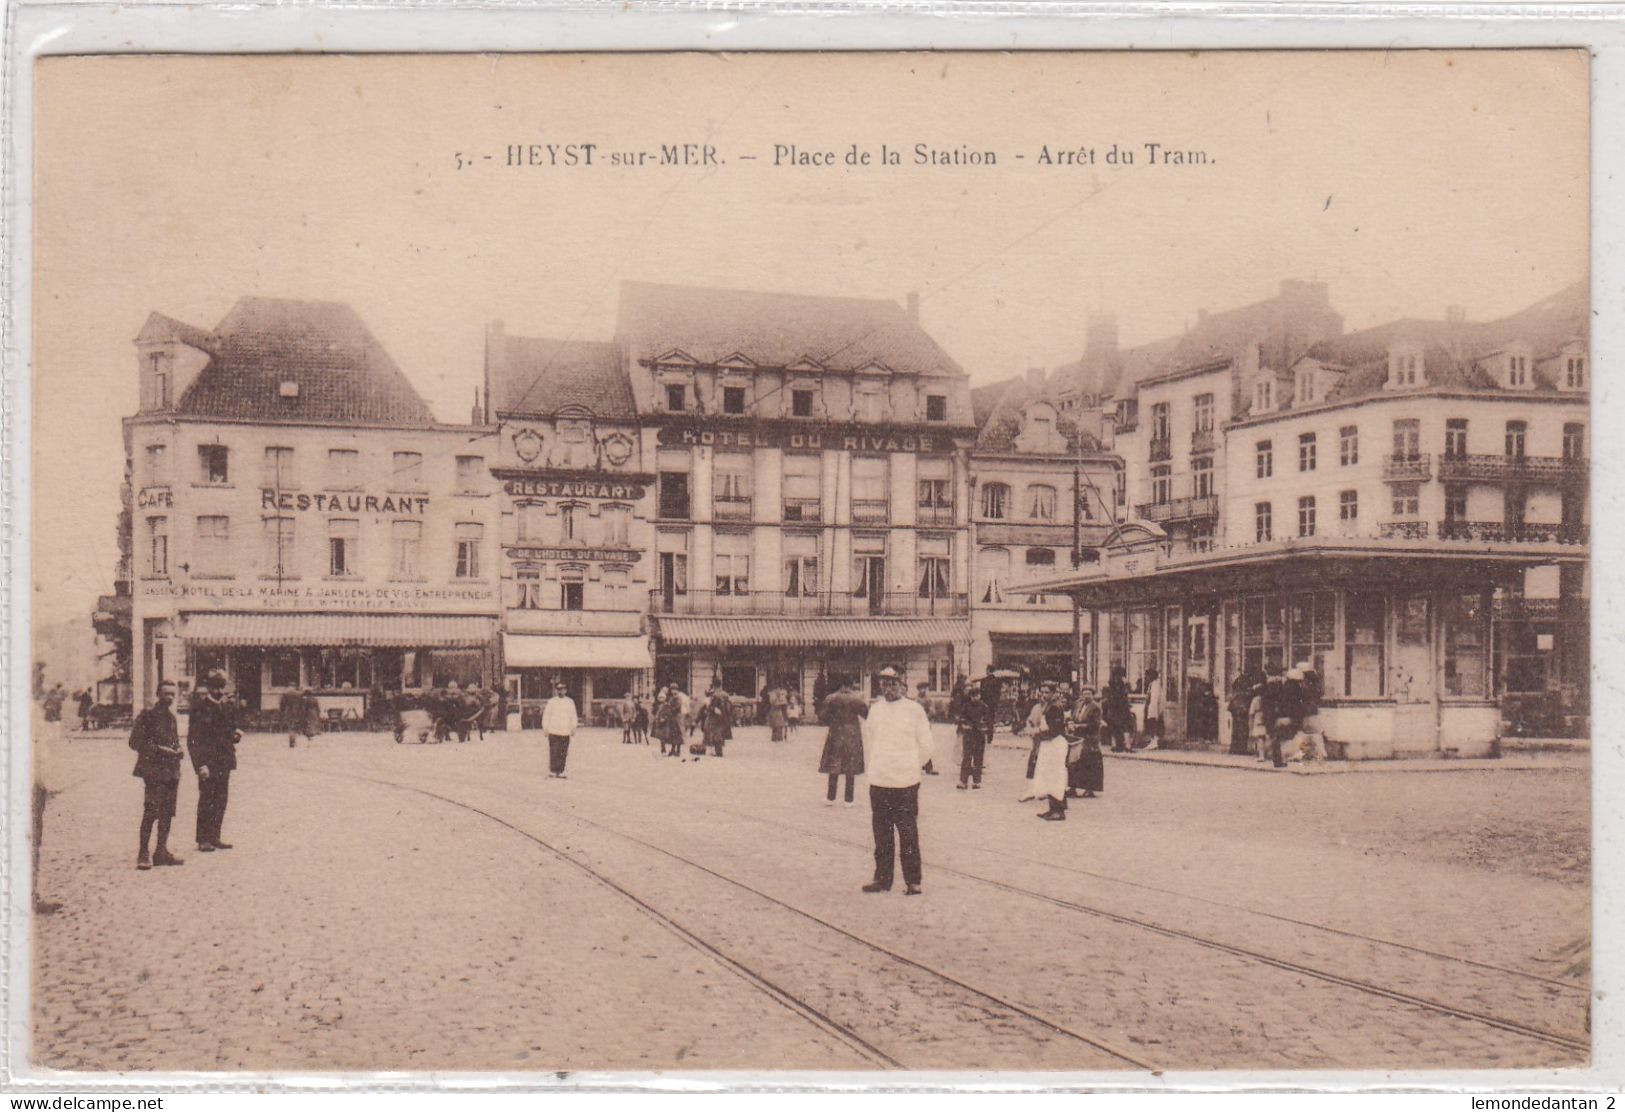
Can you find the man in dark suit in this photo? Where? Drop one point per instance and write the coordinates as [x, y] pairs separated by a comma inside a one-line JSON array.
[[212, 741], [158, 763]]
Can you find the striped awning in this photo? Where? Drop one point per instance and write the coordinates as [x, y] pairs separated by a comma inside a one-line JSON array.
[[790, 632], [403, 631]]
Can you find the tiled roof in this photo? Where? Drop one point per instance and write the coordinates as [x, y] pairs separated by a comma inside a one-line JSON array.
[[832, 632], [541, 377], [998, 433], [159, 327], [983, 399], [343, 372], [775, 329]]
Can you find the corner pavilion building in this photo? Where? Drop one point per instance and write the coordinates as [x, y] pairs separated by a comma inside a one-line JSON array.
[[1404, 507], [811, 488], [299, 519]]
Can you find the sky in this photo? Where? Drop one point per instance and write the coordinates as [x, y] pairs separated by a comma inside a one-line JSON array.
[[1408, 181]]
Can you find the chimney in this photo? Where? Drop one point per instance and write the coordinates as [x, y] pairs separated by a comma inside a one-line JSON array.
[[914, 306], [1101, 337], [476, 415]]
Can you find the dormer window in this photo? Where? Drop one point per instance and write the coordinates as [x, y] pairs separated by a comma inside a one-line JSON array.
[[1517, 376], [1404, 366], [801, 403], [1305, 391], [1574, 372], [733, 399], [674, 398], [1264, 394], [936, 407]]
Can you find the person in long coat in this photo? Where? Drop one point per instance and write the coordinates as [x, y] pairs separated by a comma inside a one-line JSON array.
[[717, 721], [1241, 697], [1049, 772], [1115, 711], [211, 741], [974, 719], [778, 711], [668, 724], [1086, 769], [844, 712]]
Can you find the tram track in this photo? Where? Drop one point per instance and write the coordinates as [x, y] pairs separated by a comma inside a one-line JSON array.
[[785, 997], [1571, 1043]]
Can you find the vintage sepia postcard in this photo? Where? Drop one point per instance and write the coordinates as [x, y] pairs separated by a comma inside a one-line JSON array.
[[681, 562]]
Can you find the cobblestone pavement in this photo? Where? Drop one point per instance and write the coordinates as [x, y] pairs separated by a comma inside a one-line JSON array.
[[362, 922]]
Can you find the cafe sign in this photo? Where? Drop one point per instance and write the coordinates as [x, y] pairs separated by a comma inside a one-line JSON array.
[[155, 497]]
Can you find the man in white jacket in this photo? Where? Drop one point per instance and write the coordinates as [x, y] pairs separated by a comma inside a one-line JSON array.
[[896, 745], [558, 723]]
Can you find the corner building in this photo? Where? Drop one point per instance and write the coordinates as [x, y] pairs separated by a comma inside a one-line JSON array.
[[811, 488], [299, 519]]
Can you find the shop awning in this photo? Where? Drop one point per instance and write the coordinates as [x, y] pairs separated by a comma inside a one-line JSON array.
[[402, 631], [546, 650], [791, 632]]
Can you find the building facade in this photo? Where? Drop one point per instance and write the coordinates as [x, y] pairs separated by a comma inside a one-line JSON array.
[[811, 489], [299, 519], [576, 523], [1402, 508]]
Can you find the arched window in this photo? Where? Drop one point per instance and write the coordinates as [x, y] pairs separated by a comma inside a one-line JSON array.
[[996, 501], [1041, 502], [994, 573]]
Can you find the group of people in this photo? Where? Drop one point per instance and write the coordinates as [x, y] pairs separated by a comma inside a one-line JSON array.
[[1275, 717], [438, 713], [211, 743], [56, 697], [677, 717]]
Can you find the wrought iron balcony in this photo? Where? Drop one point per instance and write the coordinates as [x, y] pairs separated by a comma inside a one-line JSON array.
[[1504, 532], [803, 509], [1202, 440], [871, 510], [1178, 509], [1403, 530], [1408, 469], [1162, 448], [817, 604], [933, 515], [1543, 470]]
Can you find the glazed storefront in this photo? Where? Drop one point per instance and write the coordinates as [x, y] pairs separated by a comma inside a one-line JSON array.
[[1403, 640]]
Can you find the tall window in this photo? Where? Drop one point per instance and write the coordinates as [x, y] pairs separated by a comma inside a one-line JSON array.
[[406, 471], [673, 494], [574, 449], [615, 584], [1455, 502], [1306, 451], [343, 541], [1348, 505], [1574, 372], [1263, 459], [1514, 507], [406, 549], [800, 565], [213, 462], [1455, 437], [529, 519], [279, 468], [1518, 370], [732, 484], [1263, 522], [157, 546], [801, 403], [993, 573], [732, 560], [1161, 484], [572, 522], [936, 504], [673, 549], [530, 588], [157, 464], [1202, 478], [1040, 561], [617, 524], [1466, 646], [1041, 502], [803, 483], [1407, 499], [1364, 645], [733, 399], [470, 470], [1517, 432], [1202, 418], [934, 581], [1407, 439], [870, 484], [936, 407], [1574, 441], [572, 588], [469, 536], [1306, 516], [160, 381], [1159, 421], [343, 467], [1348, 445], [995, 501], [212, 552], [674, 398], [279, 549], [1264, 394]]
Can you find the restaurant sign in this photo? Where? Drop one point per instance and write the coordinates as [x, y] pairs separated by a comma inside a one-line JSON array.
[[607, 555], [833, 439], [574, 488], [286, 500]]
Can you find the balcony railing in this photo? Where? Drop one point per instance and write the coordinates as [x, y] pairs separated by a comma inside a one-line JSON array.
[[1403, 530], [876, 510], [819, 604], [1545, 470], [1202, 440], [1504, 532], [803, 509], [732, 509], [933, 515], [1178, 509], [1162, 448], [1408, 469]]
